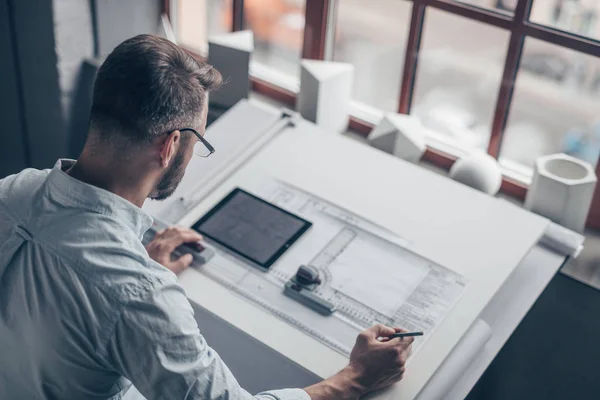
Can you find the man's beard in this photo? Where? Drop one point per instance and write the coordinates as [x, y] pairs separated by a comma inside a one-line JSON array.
[[170, 179]]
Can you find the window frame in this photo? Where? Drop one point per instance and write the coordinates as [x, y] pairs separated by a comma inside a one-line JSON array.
[[318, 34]]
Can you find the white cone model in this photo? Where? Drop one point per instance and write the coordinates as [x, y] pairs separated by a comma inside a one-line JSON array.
[[479, 171], [230, 54], [401, 135], [562, 189], [325, 92]]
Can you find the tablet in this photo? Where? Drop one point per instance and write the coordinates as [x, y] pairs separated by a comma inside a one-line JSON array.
[[252, 228]]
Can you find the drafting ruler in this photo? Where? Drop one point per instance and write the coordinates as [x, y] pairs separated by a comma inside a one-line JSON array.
[[216, 276]]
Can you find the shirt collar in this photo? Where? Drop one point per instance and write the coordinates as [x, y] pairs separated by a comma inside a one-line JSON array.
[[73, 192]]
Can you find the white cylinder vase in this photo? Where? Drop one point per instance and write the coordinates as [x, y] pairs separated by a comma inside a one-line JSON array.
[[562, 189]]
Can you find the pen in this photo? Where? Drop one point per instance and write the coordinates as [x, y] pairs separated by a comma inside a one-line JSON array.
[[404, 334]]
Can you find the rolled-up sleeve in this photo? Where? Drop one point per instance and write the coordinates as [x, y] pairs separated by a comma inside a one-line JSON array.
[[157, 345]]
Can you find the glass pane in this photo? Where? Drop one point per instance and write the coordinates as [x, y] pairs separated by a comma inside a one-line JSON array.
[[278, 27], [199, 19], [503, 6], [372, 36], [555, 107], [575, 16], [459, 72]]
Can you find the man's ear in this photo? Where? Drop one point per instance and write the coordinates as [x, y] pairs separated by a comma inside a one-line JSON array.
[[169, 148]]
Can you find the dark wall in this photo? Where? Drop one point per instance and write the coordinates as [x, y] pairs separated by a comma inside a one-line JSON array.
[[44, 45], [41, 97], [12, 140]]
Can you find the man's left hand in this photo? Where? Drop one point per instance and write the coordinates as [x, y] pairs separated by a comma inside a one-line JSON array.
[[166, 241]]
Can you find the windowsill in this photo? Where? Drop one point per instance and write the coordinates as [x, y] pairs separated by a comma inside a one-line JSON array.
[[287, 88], [438, 142], [516, 171], [274, 77]]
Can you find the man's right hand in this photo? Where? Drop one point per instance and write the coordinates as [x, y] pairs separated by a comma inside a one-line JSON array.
[[379, 363], [374, 364]]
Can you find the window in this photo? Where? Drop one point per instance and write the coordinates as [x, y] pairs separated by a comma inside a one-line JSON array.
[[580, 17], [520, 78], [278, 27], [375, 43], [197, 20], [555, 107], [458, 77], [504, 6]]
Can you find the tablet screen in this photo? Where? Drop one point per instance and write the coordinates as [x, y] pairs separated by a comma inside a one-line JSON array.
[[251, 227]]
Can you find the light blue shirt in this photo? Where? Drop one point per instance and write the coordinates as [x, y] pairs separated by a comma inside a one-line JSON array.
[[84, 311]]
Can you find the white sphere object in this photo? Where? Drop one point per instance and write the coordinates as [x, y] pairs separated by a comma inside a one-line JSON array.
[[479, 171]]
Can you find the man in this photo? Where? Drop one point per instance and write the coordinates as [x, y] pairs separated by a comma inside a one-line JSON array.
[[85, 310]]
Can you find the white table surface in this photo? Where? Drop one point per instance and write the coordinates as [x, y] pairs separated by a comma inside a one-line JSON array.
[[516, 286]]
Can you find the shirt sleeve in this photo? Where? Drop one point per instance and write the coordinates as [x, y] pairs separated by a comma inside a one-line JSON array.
[[157, 346]]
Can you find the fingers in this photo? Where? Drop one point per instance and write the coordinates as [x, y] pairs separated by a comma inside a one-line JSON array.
[[164, 243], [377, 331], [185, 234], [380, 330], [403, 343], [181, 263], [173, 237], [386, 339], [407, 341]]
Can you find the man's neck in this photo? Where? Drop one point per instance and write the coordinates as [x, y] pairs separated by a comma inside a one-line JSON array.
[[113, 178]]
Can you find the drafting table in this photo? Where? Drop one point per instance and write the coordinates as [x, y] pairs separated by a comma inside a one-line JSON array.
[[464, 230]]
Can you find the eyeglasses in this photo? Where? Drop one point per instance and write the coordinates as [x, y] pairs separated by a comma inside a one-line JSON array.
[[201, 148]]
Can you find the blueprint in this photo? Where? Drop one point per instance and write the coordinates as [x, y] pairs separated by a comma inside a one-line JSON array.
[[368, 272]]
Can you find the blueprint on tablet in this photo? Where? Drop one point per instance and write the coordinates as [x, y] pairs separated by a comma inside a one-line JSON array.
[[367, 272]]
